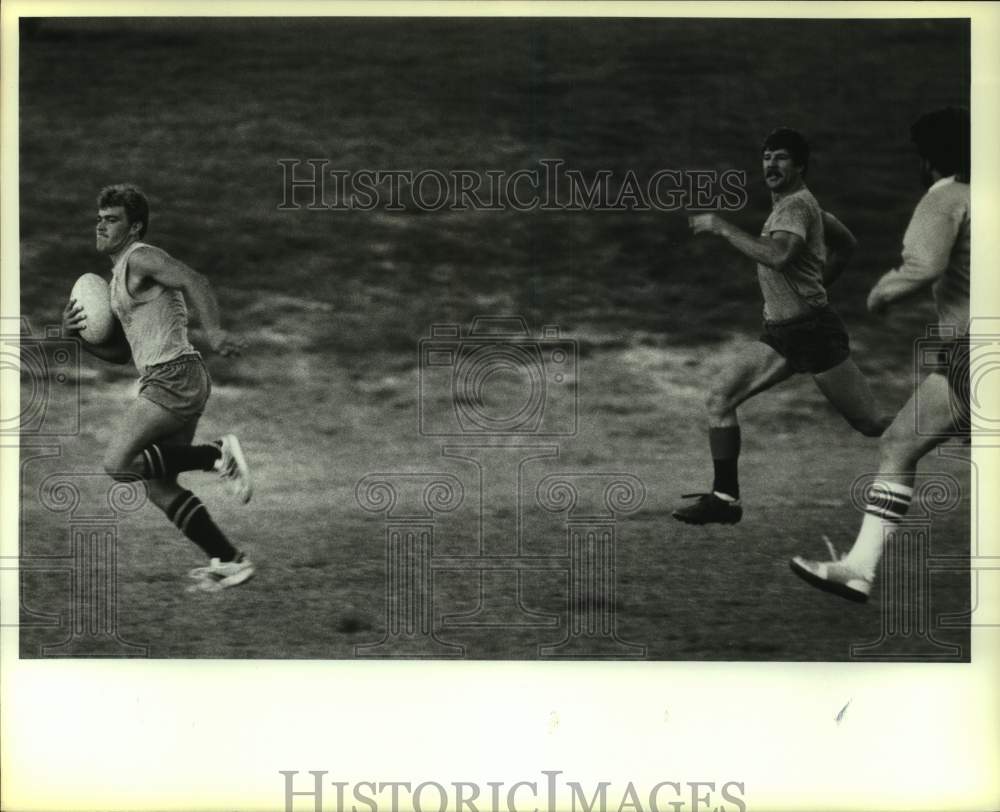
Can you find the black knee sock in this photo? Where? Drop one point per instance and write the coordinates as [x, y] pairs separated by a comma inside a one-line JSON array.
[[164, 461], [725, 445], [193, 520]]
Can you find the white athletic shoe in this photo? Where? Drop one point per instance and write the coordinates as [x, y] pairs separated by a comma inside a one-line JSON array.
[[220, 575], [833, 576], [232, 467]]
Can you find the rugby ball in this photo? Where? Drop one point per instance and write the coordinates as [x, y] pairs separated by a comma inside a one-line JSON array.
[[92, 293]]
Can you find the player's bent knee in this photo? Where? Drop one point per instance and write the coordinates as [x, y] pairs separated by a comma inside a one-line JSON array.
[[718, 403]]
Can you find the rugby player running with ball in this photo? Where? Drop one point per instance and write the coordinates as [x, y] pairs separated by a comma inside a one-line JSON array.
[[150, 295]]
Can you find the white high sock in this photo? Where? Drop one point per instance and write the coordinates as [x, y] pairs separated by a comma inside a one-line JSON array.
[[887, 504]]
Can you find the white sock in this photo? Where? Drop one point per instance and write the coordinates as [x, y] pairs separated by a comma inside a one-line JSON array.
[[887, 504]]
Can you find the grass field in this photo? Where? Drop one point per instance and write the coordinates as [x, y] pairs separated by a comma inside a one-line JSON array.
[[334, 303]]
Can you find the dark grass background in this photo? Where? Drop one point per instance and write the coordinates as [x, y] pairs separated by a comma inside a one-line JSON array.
[[199, 112]]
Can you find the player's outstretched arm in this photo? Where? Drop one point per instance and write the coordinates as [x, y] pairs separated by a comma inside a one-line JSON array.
[[115, 350], [775, 251], [896, 285], [171, 273], [927, 247], [840, 247]]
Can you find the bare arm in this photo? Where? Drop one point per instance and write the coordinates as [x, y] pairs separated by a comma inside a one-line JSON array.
[[171, 273], [115, 350], [775, 251], [840, 247]]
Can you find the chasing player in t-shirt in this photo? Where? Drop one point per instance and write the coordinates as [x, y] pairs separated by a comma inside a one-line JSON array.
[[936, 254], [800, 251], [150, 295]]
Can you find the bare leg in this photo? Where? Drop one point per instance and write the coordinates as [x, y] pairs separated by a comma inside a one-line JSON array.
[[144, 423], [901, 447], [757, 368], [846, 387], [900, 450]]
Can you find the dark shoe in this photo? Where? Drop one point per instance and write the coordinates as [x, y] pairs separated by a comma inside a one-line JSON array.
[[709, 509]]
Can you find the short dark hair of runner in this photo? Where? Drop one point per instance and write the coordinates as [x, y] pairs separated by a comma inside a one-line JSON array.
[[131, 199], [942, 138], [793, 141]]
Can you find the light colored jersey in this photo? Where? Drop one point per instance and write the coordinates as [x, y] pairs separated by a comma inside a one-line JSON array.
[[798, 289], [936, 246], [155, 321]]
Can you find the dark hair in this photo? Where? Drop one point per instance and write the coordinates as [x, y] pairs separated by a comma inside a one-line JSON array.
[[942, 138], [793, 141], [131, 199]]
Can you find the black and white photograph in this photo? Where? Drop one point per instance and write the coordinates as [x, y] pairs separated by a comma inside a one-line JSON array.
[[514, 339]]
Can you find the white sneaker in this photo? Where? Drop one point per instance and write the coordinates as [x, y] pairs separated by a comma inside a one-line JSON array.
[[222, 574], [232, 467], [833, 576]]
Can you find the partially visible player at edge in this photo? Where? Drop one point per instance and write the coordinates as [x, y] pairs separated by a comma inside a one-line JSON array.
[[935, 253], [150, 294], [801, 250]]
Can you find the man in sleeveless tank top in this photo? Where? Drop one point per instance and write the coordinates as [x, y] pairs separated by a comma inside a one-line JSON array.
[[936, 250], [150, 295], [801, 250]]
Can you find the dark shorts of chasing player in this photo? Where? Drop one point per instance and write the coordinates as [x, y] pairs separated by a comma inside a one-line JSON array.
[[813, 343], [181, 386], [957, 356]]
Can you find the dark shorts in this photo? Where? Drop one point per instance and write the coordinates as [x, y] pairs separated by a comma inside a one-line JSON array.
[[181, 386], [813, 343], [958, 360]]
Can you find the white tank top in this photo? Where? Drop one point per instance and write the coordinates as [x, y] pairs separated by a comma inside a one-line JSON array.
[[155, 322]]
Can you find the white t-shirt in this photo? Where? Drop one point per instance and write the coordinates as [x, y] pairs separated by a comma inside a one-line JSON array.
[[936, 246]]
